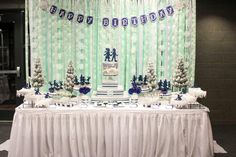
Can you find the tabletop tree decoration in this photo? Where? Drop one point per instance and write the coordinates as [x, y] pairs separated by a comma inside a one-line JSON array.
[[60, 85], [180, 80], [160, 85], [87, 81], [37, 79], [151, 77], [134, 91], [166, 86], [145, 80], [51, 88], [163, 86], [140, 80], [134, 78], [69, 82], [76, 81]]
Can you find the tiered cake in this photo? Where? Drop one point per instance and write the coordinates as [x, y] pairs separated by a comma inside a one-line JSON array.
[[110, 90]]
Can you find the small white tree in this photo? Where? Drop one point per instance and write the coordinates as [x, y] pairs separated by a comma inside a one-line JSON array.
[[37, 79], [180, 79], [69, 82], [151, 77]]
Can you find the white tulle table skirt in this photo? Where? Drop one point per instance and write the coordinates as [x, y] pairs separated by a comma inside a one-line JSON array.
[[110, 133]]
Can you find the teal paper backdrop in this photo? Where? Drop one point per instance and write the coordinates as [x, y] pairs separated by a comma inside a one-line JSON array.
[[57, 41]]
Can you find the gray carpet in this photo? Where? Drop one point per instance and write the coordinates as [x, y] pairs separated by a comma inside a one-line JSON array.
[[5, 129], [225, 135]]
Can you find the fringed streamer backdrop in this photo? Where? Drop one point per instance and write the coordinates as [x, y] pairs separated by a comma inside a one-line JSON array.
[[57, 41]]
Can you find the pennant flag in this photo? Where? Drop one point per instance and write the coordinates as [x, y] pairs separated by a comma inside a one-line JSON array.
[[80, 18], [170, 10], [70, 16], [134, 21], [161, 14], [115, 22], [105, 22], [89, 20], [124, 22], [62, 13], [53, 9], [152, 16], [143, 19]]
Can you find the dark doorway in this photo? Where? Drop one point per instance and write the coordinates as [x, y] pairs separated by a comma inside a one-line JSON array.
[[12, 67]]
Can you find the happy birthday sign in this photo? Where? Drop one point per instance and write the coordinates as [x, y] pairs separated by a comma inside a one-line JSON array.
[[114, 22]]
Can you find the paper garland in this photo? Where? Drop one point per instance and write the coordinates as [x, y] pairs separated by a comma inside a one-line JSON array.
[[115, 22]]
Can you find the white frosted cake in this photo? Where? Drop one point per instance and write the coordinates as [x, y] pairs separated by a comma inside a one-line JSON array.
[[110, 68], [110, 90]]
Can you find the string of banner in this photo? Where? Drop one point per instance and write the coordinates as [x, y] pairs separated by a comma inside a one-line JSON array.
[[153, 16]]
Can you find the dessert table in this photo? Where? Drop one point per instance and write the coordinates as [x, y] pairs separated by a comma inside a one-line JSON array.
[[110, 132]]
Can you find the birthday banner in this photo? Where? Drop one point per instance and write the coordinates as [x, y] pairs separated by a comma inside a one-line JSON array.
[[114, 22]]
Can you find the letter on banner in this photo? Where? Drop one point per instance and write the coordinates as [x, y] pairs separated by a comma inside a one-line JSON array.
[[70, 16], [80, 18], [62, 13], [105, 22], [115, 22], [89, 20], [152, 16], [134, 21], [143, 19], [161, 14], [53, 9], [170, 10], [124, 22]]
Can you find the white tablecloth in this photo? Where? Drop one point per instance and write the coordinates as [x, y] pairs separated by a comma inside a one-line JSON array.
[[125, 132]]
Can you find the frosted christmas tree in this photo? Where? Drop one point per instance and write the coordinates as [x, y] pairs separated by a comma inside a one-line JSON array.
[[69, 83], [37, 79], [180, 79], [151, 77]]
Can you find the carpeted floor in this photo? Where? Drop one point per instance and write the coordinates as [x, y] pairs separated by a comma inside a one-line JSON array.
[[5, 129], [225, 135]]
